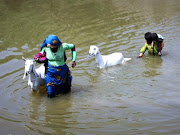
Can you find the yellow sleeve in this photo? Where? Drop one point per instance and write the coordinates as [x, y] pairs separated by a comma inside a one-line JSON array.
[[143, 49]]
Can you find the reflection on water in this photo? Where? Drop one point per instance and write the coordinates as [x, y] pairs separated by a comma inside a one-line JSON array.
[[49, 111], [153, 66], [140, 97]]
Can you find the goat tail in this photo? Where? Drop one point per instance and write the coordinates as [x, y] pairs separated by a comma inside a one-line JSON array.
[[127, 59]]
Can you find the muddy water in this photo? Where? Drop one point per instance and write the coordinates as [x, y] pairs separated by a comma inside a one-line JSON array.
[[140, 97]]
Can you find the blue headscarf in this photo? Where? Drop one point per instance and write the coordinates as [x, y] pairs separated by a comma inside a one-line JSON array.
[[52, 40]]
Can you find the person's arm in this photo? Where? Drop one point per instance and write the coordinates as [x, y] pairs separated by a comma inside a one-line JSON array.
[[142, 51], [73, 52], [152, 45], [74, 55]]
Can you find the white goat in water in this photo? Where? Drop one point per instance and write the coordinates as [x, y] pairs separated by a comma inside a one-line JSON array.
[[107, 60], [36, 76]]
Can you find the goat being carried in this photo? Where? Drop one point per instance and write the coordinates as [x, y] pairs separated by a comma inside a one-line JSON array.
[[107, 60], [36, 76]]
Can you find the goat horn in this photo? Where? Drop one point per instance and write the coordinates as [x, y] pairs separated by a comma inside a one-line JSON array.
[[23, 58]]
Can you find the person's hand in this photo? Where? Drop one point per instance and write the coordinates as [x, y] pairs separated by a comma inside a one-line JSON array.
[[140, 55], [36, 59], [159, 53], [73, 64]]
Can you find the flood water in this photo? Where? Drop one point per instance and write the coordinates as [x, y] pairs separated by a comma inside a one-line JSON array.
[[140, 97]]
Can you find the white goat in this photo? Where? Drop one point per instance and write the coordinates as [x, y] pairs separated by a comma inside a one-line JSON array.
[[107, 60], [36, 76]]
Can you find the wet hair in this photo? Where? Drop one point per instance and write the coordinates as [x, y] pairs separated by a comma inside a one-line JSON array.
[[154, 36], [148, 36]]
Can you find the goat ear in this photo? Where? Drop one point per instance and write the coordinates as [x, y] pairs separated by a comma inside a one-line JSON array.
[[23, 58], [25, 74]]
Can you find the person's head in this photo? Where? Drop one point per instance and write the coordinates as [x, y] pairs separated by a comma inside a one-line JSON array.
[[53, 41], [148, 37], [154, 36]]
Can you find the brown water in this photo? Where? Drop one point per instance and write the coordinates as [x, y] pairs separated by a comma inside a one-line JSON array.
[[141, 97]]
